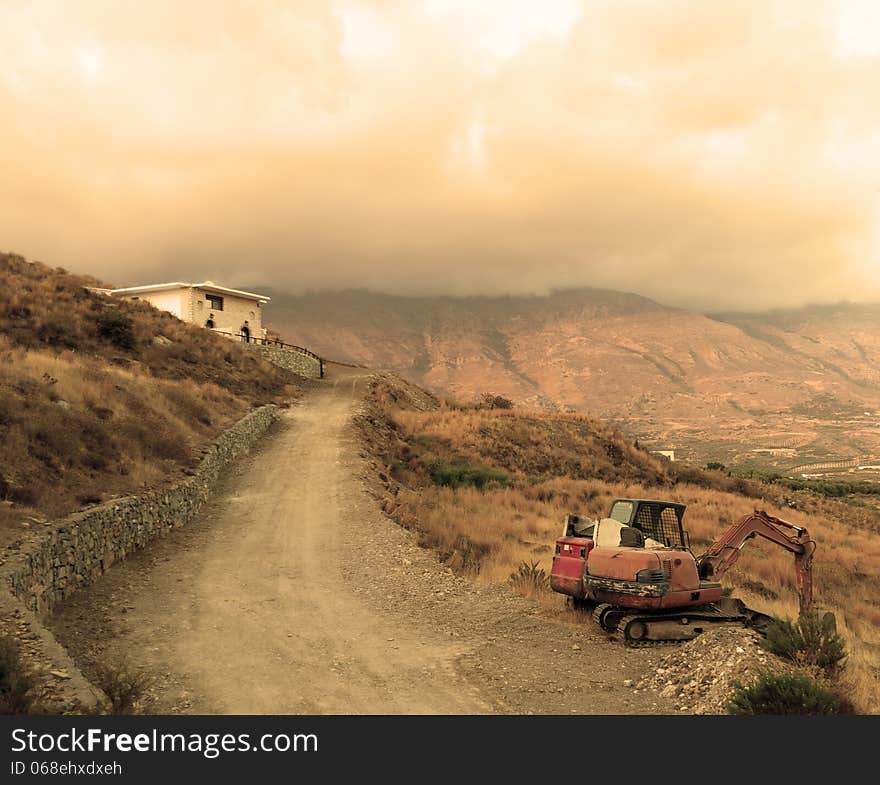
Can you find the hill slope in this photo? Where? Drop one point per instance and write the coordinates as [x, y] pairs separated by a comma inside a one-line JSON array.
[[489, 490], [786, 388], [102, 397]]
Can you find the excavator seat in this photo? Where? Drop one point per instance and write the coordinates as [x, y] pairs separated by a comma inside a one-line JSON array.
[[610, 533]]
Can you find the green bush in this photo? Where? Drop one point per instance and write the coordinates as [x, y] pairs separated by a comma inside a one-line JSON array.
[[529, 579], [789, 693], [459, 474], [117, 328], [812, 640], [16, 683]]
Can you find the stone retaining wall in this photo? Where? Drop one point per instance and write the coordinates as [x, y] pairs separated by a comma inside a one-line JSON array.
[[298, 362], [84, 545]]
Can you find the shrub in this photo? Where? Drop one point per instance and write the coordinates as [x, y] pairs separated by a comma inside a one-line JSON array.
[[490, 401], [789, 693], [54, 332], [464, 555], [25, 495], [117, 328], [529, 579], [812, 640], [716, 466], [459, 474], [123, 685], [16, 683]]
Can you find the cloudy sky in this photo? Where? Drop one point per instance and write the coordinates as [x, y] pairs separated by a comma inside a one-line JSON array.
[[713, 154]]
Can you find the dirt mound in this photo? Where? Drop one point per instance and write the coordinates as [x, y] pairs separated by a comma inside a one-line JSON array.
[[391, 387], [698, 677]]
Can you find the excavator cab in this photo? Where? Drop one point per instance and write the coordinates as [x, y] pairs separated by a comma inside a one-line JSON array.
[[659, 522]]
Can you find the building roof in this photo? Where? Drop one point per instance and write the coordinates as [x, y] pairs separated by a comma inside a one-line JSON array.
[[208, 286]]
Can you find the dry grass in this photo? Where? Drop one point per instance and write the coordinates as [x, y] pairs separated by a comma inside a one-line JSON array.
[[559, 464], [76, 429], [83, 418], [18, 684]]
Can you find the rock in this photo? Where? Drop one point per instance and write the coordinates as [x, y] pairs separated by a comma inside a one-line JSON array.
[[62, 403], [703, 671], [60, 674], [161, 340], [627, 682], [575, 647]]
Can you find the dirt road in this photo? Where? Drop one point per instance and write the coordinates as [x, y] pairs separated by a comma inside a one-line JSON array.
[[292, 593]]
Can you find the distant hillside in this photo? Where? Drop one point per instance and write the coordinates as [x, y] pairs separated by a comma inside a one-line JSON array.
[[798, 386], [102, 397], [843, 339]]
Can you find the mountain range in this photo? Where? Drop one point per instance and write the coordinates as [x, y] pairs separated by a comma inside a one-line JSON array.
[[789, 388]]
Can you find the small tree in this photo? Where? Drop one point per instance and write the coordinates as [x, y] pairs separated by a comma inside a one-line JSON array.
[[812, 640], [117, 328]]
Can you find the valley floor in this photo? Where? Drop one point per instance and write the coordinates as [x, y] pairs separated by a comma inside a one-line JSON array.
[[292, 593]]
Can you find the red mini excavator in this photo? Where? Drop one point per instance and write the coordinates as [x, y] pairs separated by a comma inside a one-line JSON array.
[[637, 565]]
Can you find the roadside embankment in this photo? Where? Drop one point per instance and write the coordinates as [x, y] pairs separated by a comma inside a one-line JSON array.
[[76, 550]]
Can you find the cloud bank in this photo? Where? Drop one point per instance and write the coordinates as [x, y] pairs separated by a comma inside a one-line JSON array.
[[712, 155]]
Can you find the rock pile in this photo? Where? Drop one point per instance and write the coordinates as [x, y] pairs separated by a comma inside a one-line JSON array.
[[698, 677]]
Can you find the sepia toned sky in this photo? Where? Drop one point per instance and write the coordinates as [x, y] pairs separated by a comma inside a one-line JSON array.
[[707, 154]]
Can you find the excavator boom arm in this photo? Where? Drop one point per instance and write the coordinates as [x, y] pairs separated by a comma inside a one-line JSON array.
[[723, 553]]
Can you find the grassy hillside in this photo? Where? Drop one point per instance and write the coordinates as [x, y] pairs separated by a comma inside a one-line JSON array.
[[101, 397], [489, 488]]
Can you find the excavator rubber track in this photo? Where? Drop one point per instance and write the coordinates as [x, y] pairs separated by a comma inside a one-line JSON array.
[[608, 616], [652, 629]]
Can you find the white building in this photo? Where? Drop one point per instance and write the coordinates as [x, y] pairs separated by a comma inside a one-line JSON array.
[[205, 304]]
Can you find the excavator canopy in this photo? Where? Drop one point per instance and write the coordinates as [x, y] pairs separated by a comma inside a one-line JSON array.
[[659, 520]]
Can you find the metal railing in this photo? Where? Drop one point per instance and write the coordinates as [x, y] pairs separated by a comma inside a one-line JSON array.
[[273, 342]]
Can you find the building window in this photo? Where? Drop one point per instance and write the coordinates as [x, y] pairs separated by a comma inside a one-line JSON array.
[[216, 302]]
